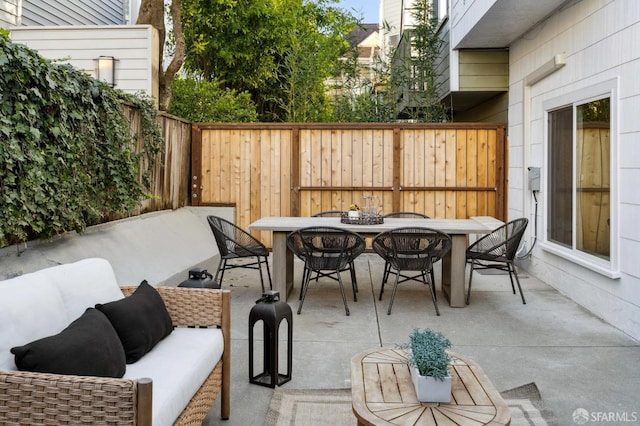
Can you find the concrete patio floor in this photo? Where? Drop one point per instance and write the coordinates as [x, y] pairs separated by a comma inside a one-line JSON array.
[[576, 360]]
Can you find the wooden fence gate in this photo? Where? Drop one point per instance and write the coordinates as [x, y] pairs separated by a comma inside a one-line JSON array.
[[443, 170]]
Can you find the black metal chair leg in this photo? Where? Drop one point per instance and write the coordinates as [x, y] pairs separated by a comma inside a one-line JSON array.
[[260, 272], [509, 268], [515, 272], [393, 293], [433, 283], [387, 269], [218, 271], [222, 266], [473, 263], [432, 289], [344, 298], [266, 262], [354, 282], [381, 290], [305, 287], [305, 272]]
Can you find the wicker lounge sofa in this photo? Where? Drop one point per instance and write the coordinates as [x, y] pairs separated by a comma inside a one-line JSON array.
[[176, 382]]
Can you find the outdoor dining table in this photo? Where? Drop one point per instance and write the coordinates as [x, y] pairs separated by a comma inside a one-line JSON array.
[[453, 266]]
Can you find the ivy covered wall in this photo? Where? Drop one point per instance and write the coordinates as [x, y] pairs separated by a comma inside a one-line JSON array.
[[67, 158]]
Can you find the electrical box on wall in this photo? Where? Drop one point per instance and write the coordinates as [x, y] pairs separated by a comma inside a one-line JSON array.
[[534, 179]]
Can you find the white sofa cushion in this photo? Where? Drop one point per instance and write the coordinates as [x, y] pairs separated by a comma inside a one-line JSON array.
[[30, 308], [178, 366], [84, 283]]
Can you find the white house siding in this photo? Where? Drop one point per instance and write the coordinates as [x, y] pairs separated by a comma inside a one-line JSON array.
[[9, 11], [464, 15], [395, 17], [443, 66], [133, 46], [68, 12], [599, 39]]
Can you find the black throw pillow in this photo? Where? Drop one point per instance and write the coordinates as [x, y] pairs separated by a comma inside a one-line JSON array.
[[141, 320], [89, 346]]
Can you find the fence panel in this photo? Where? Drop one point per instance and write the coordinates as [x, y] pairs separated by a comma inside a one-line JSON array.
[[171, 177], [442, 170]]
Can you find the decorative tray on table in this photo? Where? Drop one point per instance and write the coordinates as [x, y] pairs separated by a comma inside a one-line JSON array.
[[362, 220]]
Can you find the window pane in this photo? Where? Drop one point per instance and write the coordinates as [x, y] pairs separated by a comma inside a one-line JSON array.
[[439, 9], [560, 223], [592, 178]]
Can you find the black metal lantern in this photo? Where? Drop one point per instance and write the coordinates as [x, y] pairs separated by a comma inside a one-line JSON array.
[[271, 311], [199, 278]]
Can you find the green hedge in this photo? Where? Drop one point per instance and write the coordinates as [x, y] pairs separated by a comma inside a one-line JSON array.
[[66, 154]]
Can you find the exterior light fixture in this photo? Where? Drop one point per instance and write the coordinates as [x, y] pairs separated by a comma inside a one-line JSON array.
[[107, 70]]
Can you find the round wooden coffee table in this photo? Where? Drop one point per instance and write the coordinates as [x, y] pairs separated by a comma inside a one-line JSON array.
[[382, 393]]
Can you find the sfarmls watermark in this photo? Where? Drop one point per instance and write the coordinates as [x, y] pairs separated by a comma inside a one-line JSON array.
[[582, 416]]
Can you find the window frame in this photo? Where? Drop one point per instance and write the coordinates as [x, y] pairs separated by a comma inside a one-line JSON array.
[[436, 6], [611, 267]]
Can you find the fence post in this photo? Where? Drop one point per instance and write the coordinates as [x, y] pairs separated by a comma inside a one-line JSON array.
[[295, 172], [397, 169], [196, 165]]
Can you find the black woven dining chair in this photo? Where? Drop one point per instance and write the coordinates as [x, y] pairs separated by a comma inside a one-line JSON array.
[[327, 251], [410, 215], [236, 243], [335, 213], [497, 250], [412, 249], [330, 213]]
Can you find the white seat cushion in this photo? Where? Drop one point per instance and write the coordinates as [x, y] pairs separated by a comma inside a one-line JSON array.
[[30, 308], [178, 366], [84, 283]]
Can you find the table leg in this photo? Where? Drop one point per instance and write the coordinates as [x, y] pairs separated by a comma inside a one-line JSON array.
[[282, 265], [453, 271]]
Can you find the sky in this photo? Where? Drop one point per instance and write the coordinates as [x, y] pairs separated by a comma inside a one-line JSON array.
[[368, 9]]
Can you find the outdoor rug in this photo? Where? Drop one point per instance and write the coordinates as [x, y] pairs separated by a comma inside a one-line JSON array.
[[317, 407]]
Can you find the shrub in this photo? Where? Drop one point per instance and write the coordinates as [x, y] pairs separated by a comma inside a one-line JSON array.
[[205, 101], [429, 352]]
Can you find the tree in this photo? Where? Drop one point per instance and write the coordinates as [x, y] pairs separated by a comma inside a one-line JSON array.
[[277, 51], [200, 100], [152, 13], [426, 46], [405, 86], [304, 75]]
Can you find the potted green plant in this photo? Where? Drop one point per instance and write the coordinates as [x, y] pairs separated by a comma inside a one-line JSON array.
[[354, 211], [429, 364]]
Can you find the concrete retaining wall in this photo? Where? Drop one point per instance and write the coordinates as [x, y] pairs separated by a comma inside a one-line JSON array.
[[160, 247]]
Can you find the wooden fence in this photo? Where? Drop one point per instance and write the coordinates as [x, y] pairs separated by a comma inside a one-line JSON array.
[[593, 188], [171, 176], [443, 170]]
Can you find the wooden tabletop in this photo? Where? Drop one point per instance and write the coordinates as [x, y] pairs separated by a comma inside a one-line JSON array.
[[383, 394]]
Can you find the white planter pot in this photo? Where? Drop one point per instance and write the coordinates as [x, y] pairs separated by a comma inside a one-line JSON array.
[[354, 214], [429, 389]]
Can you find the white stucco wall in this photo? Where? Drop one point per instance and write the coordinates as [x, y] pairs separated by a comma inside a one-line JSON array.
[[599, 39]]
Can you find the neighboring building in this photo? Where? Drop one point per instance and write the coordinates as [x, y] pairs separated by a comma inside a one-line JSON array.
[[62, 12], [367, 40], [80, 31], [363, 40], [397, 19]]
